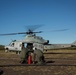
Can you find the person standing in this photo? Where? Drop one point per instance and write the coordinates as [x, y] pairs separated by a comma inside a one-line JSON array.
[[24, 54]]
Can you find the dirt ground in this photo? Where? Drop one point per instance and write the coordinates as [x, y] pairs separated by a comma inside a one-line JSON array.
[[66, 58]]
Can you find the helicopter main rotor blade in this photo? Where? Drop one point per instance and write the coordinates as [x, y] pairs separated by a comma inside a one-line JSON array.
[[55, 30], [31, 32], [12, 33], [19, 33], [59, 30]]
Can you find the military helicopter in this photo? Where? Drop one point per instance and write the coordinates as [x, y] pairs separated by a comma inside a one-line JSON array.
[[29, 38]]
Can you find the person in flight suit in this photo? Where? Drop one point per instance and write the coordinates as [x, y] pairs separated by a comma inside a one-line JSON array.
[[38, 56], [24, 54]]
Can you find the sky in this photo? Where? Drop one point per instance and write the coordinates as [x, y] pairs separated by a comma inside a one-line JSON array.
[[15, 15]]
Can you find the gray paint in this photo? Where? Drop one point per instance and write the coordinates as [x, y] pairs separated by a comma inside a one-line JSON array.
[[56, 46]]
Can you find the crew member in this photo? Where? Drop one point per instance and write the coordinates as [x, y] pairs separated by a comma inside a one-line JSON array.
[[24, 54], [38, 57]]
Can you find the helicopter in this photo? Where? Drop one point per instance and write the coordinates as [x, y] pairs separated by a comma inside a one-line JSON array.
[[30, 37]]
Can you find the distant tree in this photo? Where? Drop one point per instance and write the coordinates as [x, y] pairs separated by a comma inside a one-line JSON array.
[[1, 47]]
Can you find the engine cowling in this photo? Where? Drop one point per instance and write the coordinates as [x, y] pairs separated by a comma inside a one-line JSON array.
[[47, 42]]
